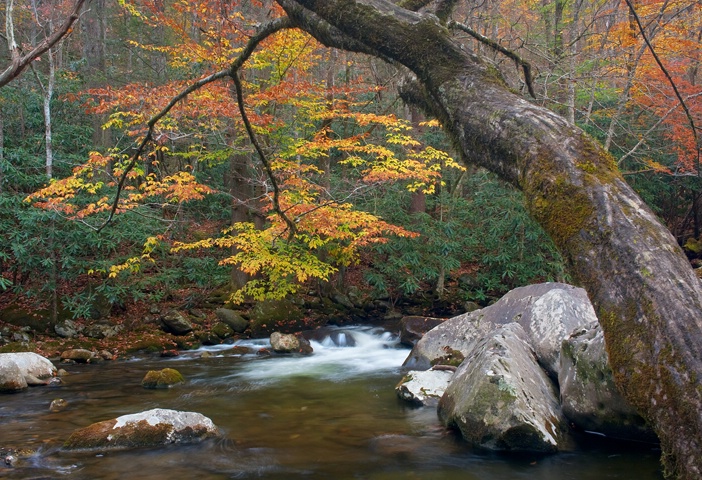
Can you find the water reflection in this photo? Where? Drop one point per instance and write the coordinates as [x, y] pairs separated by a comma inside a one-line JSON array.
[[331, 415]]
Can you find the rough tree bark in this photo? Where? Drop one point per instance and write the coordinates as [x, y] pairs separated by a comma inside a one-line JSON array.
[[647, 297]]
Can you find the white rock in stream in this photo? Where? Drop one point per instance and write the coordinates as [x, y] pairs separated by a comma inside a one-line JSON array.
[[424, 387], [19, 369], [145, 429]]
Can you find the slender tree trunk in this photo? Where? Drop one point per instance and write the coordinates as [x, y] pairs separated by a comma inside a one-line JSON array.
[[240, 190], [48, 95], [646, 295], [2, 150]]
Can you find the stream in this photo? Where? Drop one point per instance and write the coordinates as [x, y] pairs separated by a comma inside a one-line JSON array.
[[331, 415]]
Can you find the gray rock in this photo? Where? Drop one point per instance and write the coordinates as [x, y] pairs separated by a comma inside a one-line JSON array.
[[589, 397], [284, 342], [146, 429], [424, 387], [102, 330], [233, 319], [68, 329], [176, 323], [30, 363], [552, 316], [451, 341], [500, 399], [79, 355], [342, 299], [11, 377], [412, 328], [548, 312]]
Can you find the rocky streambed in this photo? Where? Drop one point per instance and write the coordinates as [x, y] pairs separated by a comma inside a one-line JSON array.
[[333, 413]]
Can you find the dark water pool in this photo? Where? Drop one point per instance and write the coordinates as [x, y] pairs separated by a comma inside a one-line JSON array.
[[331, 415]]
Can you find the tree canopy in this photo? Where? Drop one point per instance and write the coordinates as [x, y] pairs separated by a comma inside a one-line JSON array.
[[238, 100]]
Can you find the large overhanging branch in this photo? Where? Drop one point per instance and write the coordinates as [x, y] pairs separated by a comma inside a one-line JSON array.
[[648, 299], [263, 32], [20, 61]]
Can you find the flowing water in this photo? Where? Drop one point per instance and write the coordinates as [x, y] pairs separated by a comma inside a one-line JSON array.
[[331, 415]]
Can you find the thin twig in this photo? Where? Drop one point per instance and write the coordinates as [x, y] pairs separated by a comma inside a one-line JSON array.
[[526, 66], [683, 104]]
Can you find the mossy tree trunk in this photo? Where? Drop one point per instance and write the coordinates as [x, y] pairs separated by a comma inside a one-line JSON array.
[[648, 299]]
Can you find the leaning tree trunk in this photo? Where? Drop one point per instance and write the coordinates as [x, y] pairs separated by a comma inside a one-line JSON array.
[[647, 297]]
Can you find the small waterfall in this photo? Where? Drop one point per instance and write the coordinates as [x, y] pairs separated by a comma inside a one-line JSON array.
[[339, 353]]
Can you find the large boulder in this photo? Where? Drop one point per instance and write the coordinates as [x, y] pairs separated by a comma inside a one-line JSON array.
[[413, 327], [23, 369], [548, 312], [589, 397], [11, 378], [269, 315], [146, 429], [176, 323], [501, 399], [555, 311], [30, 363], [232, 318], [424, 387]]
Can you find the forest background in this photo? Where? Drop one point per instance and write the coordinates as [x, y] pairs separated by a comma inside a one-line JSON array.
[[328, 182]]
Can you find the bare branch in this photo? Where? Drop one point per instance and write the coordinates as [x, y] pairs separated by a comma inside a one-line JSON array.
[[264, 32], [526, 66], [683, 104], [262, 155], [19, 61]]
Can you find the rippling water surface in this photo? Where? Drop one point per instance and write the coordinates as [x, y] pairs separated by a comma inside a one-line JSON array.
[[331, 415]]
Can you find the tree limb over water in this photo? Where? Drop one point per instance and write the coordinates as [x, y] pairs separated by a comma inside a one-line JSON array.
[[647, 296]]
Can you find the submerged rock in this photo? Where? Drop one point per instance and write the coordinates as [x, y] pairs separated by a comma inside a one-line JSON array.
[[589, 397], [146, 429], [79, 355], [424, 387], [165, 378], [58, 404], [500, 399]]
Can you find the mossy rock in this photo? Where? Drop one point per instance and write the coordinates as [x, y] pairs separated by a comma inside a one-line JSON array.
[[165, 378], [16, 347], [274, 315], [146, 429], [233, 319], [222, 330]]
